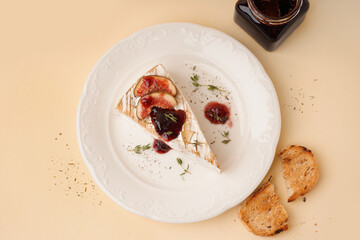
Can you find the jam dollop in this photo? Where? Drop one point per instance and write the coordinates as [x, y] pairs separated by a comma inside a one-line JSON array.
[[217, 113], [167, 122], [160, 146]]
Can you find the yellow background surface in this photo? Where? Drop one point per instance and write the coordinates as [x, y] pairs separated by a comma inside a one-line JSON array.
[[47, 50]]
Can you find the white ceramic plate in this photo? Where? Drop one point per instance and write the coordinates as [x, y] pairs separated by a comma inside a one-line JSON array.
[[149, 184]]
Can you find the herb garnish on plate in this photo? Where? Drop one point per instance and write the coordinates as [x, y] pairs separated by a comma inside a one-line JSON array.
[[179, 161], [138, 149], [195, 82], [225, 134]]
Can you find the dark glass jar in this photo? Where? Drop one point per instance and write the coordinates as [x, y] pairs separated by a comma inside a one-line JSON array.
[[270, 22]]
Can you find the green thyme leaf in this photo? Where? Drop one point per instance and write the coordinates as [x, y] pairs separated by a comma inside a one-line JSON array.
[[138, 149], [195, 143], [179, 161], [195, 78], [196, 84], [194, 68], [212, 88], [146, 147], [171, 117], [168, 133], [225, 134], [226, 141]]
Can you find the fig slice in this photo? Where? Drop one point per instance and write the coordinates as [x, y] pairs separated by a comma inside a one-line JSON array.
[[154, 83], [155, 99]]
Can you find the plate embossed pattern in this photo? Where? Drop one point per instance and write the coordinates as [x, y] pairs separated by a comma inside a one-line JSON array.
[[101, 92]]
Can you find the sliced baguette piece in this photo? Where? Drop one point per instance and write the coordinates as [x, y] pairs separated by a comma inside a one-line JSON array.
[[262, 214], [190, 133], [300, 170]]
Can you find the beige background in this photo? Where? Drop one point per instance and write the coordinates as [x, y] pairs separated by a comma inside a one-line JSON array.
[[49, 47]]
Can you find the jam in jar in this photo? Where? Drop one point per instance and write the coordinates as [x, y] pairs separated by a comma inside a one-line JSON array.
[[270, 22]]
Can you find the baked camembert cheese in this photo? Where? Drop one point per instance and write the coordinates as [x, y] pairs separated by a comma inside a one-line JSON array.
[[156, 104]]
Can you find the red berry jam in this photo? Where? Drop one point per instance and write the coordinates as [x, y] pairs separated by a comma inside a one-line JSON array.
[[217, 113], [167, 122], [160, 146]]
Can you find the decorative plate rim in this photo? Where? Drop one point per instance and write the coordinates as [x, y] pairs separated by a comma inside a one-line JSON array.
[[275, 139]]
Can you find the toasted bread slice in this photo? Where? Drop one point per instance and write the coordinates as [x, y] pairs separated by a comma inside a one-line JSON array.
[[190, 133], [300, 170], [262, 213]]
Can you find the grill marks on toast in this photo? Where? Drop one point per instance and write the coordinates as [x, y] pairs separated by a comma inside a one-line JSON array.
[[300, 170], [262, 213]]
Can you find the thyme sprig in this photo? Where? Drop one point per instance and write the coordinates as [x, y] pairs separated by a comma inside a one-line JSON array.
[[171, 117], [196, 143], [225, 134], [195, 82], [179, 161], [138, 149]]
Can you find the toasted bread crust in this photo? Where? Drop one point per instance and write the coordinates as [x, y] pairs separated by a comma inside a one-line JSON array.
[[262, 213], [300, 170]]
